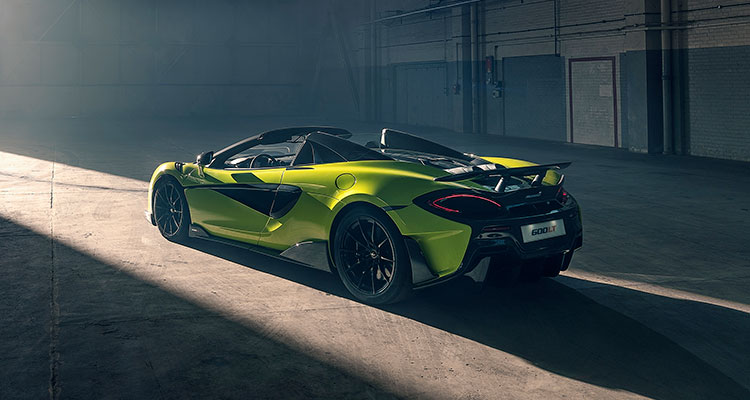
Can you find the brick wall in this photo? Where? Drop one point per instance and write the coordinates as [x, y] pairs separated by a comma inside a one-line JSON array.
[[715, 56], [719, 102], [513, 28], [297, 57], [714, 23], [711, 67]]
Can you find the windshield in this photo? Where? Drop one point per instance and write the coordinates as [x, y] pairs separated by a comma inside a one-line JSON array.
[[273, 155]]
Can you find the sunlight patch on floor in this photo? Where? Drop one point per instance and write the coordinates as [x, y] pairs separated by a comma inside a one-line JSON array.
[[590, 280], [101, 215]]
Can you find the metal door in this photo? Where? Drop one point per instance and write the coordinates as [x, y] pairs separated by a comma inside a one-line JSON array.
[[593, 101], [421, 95]]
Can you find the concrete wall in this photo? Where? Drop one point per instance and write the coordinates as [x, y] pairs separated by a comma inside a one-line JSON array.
[[150, 57], [621, 106], [62, 58]]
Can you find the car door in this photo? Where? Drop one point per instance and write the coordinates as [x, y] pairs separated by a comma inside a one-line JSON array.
[[302, 209], [233, 203]]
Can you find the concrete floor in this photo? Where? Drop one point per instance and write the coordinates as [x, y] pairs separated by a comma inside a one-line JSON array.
[[95, 304]]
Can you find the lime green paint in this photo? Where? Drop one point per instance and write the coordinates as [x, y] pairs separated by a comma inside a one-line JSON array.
[[508, 162], [551, 178], [327, 189], [443, 242], [222, 216], [345, 181]]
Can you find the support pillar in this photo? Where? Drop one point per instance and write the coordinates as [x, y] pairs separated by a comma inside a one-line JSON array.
[[641, 63]]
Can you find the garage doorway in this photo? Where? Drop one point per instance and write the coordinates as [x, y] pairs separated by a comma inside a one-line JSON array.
[[420, 95], [593, 101], [534, 91]]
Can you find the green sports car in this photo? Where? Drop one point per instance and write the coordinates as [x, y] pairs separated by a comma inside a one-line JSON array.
[[389, 217]]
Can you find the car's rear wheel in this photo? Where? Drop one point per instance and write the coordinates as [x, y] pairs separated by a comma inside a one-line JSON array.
[[371, 257], [171, 212]]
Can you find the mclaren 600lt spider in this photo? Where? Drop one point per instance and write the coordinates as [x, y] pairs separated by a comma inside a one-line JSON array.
[[388, 217]]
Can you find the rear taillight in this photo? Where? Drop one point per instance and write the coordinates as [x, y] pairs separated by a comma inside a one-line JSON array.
[[562, 196], [467, 205]]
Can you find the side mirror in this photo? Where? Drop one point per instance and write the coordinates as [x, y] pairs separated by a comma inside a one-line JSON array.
[[372, 145], [204, 158]]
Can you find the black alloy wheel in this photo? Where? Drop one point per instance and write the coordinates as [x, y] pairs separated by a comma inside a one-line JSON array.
[[371, 258], [171, 212]]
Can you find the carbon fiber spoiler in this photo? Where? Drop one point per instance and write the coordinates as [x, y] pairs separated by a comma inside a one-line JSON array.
[[538, 170]]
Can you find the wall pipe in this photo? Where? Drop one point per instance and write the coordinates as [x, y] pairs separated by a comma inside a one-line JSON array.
[[556, 16], [476, 128], [424, 10], [666, 77]]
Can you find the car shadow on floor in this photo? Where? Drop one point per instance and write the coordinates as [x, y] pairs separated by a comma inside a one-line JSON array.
[[104, 333], [556, 328], [133, 148]]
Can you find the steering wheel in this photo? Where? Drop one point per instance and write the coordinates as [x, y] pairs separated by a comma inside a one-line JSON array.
[[263, 160]]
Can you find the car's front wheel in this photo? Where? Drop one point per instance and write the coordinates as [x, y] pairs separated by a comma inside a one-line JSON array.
[[371, 257], [170, 209]]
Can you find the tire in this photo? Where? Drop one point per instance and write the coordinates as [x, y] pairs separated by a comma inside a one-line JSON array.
[[371, 257], [170, 209]]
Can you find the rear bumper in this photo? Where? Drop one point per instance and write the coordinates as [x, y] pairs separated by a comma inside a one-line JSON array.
[[509, 242], [508, 246]]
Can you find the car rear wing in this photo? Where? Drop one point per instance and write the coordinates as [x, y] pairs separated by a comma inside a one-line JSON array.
[[539, 171]]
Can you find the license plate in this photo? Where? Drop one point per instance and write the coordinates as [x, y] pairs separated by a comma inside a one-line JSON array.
[[543, 230]]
